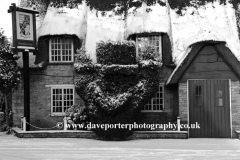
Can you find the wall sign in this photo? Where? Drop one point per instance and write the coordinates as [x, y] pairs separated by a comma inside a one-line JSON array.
[[24, 28]]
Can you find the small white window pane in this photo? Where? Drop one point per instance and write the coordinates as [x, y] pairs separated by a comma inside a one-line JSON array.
[[62, 98], [61, 50]]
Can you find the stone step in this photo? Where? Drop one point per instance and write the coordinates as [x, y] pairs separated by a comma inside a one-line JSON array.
[[237, 134], [91, 135], [160, 135]]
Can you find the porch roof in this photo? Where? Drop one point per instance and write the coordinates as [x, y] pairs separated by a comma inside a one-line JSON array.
[[221, 48]]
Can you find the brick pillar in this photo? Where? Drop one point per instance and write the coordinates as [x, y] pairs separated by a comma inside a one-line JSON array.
[[1, 121], [183, 100], [235, 107]]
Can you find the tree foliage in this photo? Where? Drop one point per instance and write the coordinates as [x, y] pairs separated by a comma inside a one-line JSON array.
[[9, 71], [180, 5], [122, 5]]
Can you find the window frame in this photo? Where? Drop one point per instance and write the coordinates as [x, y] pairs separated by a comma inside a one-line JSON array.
[[198, 95], [61, 38], [163, 96], [148, 35], [219, 88], [64, 86]]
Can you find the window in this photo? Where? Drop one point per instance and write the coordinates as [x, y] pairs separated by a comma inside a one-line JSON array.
[[61, 49], [156, 104], [198, 95], [153, 40], [62, 97], [219, 95]]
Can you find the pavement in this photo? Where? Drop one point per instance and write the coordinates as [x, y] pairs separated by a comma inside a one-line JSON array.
[[13, 148]]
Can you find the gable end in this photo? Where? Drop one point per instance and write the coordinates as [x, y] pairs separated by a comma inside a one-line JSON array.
[[217, 63]]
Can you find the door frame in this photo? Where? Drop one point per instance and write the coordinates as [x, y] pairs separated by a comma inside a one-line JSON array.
[[230, 101]]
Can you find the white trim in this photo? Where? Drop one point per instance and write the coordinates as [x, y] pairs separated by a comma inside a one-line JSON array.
[[188, 105], [230, 101], [59, 85], [51, 101], [151, 111], [57, 114], [24, 47]]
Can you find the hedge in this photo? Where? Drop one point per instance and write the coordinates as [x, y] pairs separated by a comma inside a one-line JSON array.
[[115, 93], [110, 52]]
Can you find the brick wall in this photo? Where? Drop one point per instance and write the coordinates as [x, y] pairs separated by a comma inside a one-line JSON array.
[[17, 104], [170, 112], [235, 107], [183, 105], [40, 96]]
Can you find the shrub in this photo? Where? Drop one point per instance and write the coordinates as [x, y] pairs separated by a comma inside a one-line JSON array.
[[149, 59], [116, 52], [148, 53], [77, 115], [115, 93], [82, 57], [83, 62], [114, 69]]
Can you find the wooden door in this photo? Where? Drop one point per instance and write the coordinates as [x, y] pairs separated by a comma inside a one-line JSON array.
[[209, 106]]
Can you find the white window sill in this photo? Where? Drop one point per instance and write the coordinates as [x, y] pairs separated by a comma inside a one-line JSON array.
[[151, 111], [58, 114], [60, 63], [60, 86]]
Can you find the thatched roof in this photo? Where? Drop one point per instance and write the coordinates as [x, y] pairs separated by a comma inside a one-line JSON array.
[[210, 22]]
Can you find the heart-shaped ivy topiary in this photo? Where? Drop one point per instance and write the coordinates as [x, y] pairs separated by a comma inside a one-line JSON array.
[[116, 90]]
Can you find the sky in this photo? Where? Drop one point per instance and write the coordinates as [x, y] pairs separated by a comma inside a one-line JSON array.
[[5, 17]]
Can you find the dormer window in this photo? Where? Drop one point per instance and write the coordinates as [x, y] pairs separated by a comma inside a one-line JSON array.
[[151, 39], [61, 49]]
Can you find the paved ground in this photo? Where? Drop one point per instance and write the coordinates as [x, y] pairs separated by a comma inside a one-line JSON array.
[[13, 148]]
